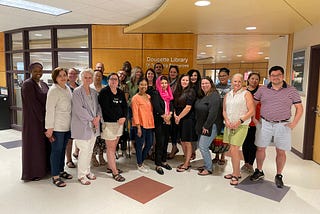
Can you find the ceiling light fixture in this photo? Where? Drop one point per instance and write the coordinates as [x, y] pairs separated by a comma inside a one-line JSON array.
[[203, 53], [260, 52], [251, 28], [267, 58], [209, 46], [202, 3], [239, 55], [32, 6], [220, 52], [38, 34]]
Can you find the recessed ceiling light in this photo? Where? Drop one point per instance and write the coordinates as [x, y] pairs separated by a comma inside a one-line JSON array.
[[251, 28], [38, 34], [239, 55], [209, 46], [267, 58], [260, 52], [202, 3], [223, 56], [32, 6], [203, 53], [220, 52]]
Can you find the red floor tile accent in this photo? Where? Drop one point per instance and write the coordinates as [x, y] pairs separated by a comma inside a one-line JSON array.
[[143, 189]]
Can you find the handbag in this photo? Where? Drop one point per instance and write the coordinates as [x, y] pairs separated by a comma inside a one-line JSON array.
[[218, 146]]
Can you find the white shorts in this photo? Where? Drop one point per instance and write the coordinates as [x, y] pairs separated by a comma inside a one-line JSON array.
[[280, 132], [110, 131]]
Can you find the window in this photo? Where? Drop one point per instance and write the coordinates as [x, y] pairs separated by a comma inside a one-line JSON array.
[[39, 39], [52, 46]]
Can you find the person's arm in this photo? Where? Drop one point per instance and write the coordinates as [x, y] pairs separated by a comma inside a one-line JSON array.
[[213, 106], [184, 112], [224, 112], [297, 115], [52, 100]]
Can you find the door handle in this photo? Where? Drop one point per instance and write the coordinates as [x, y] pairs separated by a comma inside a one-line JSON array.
[[317, 111]]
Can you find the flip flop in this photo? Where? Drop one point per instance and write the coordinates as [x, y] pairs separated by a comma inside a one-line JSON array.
[[110, 171], [204, 172]]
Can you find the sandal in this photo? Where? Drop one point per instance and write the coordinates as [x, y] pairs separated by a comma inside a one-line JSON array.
[[200, 168], [110, 170], [221, 162], [204, 172], [70, 164], [75, 155], [234, 181], [215, 160], [181, 168], [58, 182], [91, 176], [229, 176], [84, 181], [118, 177], [65, 175]]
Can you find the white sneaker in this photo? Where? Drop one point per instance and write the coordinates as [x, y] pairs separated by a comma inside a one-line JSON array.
[[143, 169]]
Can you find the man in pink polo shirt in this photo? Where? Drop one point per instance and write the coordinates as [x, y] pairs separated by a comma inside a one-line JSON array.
[[276, 100]]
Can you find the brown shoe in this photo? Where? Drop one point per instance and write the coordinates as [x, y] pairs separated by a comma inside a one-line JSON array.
[[94, 161], [101, 160]]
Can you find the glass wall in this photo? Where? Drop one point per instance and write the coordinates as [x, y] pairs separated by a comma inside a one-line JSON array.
[[52, 46]]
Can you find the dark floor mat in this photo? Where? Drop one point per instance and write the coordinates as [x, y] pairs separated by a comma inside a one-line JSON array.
[[264, 188], [11, 144]]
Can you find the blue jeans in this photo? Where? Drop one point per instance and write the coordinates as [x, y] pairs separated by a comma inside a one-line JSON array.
[[58, 149], [204, 144], [143, 144]]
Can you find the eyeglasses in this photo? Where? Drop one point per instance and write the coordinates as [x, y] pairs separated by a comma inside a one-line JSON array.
[[275, 75]]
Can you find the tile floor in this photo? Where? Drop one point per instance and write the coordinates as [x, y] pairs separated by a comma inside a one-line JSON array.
[[190, 193]]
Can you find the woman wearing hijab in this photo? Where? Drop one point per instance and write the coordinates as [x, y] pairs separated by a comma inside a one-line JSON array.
[[162, 111]]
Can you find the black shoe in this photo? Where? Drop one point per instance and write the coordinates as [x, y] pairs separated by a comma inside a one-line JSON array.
[[159, 170], [278, 180], [257, 175], [166, 166]]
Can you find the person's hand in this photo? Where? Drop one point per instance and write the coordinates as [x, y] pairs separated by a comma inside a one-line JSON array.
[[121, 120], [291, 125], [96, 121], [176, 119], [139, 132], [49, 132], [205, 131]]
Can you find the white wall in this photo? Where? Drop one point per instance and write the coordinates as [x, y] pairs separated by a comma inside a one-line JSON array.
[[278, 52], [304, 40]]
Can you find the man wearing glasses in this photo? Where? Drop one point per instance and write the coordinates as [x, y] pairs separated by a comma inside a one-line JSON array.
[[276, 100]]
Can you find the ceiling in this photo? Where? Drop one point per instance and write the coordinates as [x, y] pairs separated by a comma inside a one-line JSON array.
[[221, 24]]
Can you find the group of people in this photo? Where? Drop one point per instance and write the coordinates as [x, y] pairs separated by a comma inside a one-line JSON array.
[[154, 108]]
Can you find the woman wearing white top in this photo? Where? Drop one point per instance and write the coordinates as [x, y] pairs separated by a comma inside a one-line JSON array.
[[57, 122], [238, 108]]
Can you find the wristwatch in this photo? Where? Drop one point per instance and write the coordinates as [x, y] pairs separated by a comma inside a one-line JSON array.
[[241, 120]]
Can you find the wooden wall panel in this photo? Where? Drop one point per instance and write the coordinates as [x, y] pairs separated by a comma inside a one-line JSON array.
[[169, 41], [182, 58], [2, 42], [109, 36], [114, 58]]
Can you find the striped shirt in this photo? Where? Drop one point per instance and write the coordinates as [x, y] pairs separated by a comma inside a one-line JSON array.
[[276, 104]]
